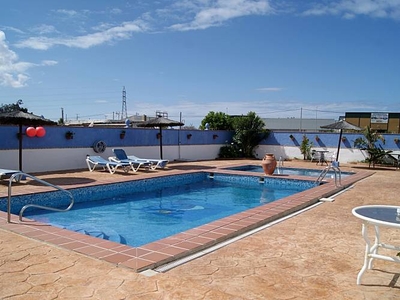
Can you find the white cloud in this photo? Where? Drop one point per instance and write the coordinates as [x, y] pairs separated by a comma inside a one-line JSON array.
[[10, 28], [44, 29], [116, 11], [13, 73], [49, 63], [351, 8], [66, 12], [191, 15], [215, 13], [270, 89], [124, 31]]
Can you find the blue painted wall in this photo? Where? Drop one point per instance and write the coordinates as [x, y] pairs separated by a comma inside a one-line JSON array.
[[86, 137], [328, 140]]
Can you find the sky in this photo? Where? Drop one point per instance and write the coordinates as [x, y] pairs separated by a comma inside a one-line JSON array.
[[279, 59]]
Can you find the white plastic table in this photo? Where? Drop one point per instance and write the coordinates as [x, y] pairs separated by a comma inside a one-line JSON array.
[[322, 159], [377, 216]]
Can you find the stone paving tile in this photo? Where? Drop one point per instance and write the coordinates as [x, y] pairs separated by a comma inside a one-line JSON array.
[[314, 255]]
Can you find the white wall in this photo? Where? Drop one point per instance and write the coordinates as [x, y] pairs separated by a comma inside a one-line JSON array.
[[346, 155], [43, 160]]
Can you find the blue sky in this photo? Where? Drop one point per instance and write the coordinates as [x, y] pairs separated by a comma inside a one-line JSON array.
[[276, 58]]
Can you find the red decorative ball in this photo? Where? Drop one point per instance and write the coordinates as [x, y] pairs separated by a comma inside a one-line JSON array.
[[31, 131], [40, 132]]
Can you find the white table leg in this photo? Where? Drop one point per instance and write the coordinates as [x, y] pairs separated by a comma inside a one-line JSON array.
[[374, 248], [367, 259]]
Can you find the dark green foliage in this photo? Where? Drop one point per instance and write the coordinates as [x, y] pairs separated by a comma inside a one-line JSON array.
[[369, 144], [249, 132], [229, 151], [5, 108], [217, 121]]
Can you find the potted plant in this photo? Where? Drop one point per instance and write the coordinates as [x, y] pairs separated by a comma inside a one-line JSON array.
[[69, 135]]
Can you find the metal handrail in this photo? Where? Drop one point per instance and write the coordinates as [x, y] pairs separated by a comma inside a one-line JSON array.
[[280, 165], [325, 171], [22, 174]]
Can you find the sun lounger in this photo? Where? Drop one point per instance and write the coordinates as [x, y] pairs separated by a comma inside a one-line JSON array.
[[7, 173], [93, 161], [158, 163], [120, 156]]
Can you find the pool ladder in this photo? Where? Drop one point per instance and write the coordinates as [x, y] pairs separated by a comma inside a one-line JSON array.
[[338, 174], [17, 176], [280, 165]]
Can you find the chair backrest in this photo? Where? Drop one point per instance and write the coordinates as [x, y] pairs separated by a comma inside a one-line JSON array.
[[120, 154]]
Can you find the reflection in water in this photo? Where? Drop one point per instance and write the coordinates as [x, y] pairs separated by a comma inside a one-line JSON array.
[[267, 196]]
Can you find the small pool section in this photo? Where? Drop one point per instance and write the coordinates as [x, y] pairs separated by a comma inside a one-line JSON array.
[[287, 171], [142, 211]]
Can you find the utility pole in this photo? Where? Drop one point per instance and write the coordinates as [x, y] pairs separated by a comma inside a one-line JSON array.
[[124, 112], [301, 118]]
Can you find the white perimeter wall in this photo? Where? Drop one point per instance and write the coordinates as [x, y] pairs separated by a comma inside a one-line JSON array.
[[346, 155], [43, 160]]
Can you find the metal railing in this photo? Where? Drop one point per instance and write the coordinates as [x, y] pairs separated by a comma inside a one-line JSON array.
[[338, 174], [279, 165], [17, 176]]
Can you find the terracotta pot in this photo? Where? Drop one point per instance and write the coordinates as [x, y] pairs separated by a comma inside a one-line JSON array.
[[268, 164]]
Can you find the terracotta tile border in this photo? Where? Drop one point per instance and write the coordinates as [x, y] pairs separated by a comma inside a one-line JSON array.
[[182, 244]]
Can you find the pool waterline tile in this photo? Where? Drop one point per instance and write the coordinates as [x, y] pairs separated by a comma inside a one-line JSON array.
[[196, 239]]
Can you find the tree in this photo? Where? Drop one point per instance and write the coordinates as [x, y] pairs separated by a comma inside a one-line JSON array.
[[249, 132], [305, 147], [4, 108], [217, 121], [369, 143]]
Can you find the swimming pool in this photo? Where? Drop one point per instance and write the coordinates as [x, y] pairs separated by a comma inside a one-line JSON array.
[[149, 210], [170, 249], [287, 171]]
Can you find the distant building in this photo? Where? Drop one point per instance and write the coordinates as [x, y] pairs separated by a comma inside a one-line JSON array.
[[129, 122], [296, 124], [383, 122]]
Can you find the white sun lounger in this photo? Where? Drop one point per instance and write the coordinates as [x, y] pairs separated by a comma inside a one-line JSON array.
[[120, 156], [7, 173], [93, 161], [158, 163]]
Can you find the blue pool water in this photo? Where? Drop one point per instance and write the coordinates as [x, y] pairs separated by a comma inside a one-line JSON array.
[[288, 171], [137, 214]]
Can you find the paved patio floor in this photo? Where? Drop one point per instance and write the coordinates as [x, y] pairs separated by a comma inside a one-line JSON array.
[[314, 255]]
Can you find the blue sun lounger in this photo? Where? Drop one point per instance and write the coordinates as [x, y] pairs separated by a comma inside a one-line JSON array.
[[120, 156], [155, 163], [94, 161]]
